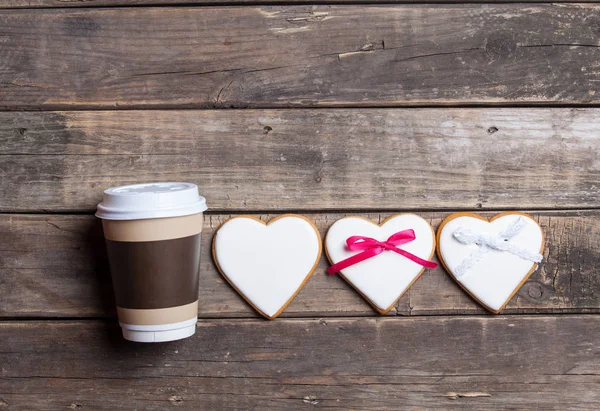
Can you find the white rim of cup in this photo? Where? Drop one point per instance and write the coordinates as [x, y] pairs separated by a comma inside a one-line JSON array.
[[160, 327]]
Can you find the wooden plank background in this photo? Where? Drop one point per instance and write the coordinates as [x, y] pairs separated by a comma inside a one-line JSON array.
[[339, 109], [364, 364], [299, 56], [337, 159]]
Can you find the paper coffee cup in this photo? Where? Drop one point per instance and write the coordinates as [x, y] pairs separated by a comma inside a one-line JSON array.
[[152, 234]]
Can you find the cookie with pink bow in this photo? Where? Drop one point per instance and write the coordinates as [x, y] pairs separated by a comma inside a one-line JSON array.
[[380, 261]]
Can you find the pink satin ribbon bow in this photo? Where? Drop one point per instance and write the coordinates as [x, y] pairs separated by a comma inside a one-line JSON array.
[[372, 247]]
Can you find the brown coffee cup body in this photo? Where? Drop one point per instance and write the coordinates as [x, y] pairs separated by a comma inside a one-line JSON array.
[[154, 267]]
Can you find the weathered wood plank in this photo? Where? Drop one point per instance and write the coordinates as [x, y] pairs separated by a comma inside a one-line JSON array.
[[16, 4], [307, 159], [55, 266], [299, 56], [520, 363]]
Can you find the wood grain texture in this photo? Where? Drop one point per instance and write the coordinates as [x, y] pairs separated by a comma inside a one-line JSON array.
[[17, 4], [330, 159], [299, 56], [55, 266], [549, 363]]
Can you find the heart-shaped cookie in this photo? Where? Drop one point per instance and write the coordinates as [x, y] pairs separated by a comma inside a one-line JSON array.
[[491, 259], [382, 279], [267, 264]]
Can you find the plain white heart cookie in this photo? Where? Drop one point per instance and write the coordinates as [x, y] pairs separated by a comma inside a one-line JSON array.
[[267, 264], [493, 277], [383, 278]]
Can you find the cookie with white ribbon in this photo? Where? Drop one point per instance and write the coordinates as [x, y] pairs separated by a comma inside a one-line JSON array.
[[267, 264], [490, 259], [381, 261]]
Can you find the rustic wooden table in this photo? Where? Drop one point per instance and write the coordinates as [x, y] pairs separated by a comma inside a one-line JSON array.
[[325, 110]]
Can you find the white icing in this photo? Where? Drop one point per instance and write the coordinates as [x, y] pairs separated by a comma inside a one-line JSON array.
[[384, 278], [496, 275], [267, 264]]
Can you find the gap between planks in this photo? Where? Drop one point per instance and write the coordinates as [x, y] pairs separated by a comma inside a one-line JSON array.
[[321, 318], [332, 106], [449, 210]]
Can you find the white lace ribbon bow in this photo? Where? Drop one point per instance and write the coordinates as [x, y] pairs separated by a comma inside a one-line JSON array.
[[487, 243]]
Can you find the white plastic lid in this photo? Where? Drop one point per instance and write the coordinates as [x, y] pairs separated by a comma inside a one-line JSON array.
[[151, 200]]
